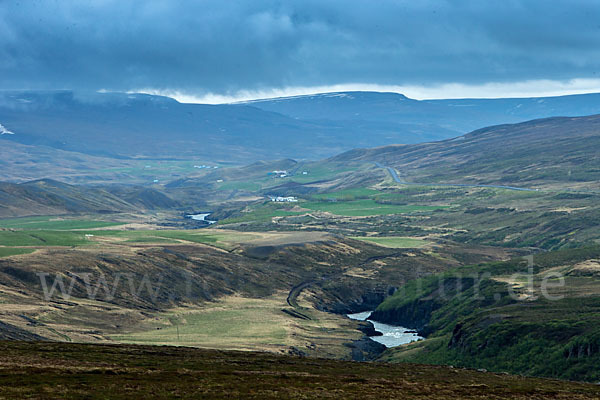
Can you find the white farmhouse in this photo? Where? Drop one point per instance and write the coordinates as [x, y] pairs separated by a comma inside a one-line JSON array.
[[281, 199]]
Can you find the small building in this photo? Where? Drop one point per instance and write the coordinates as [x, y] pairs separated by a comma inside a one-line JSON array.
[[279, 173], [282, 199]]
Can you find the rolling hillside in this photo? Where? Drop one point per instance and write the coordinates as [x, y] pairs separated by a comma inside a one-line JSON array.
[[552, 151], [506, 317], [49, 197]]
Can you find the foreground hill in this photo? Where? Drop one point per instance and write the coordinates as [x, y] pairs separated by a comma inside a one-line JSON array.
[[70, 371], [540, 152]]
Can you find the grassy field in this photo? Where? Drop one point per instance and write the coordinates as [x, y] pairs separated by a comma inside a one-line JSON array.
[[150, 169], [218, 238], [42, 238], [152, 239], [13, 251], [232, 323], [366, 207], [240, 185], [238, 323], [393, 242], [347, 194], [53, 223], [262, 212]]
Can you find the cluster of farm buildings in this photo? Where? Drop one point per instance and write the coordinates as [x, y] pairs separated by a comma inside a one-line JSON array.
[[283, 199]]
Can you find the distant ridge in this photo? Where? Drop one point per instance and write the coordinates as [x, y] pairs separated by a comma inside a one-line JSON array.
[[549, 151], [459, 115], [133, 126], [350, 95]]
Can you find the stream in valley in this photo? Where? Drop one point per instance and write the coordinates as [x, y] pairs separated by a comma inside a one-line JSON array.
[[392, 335], [200, 217]]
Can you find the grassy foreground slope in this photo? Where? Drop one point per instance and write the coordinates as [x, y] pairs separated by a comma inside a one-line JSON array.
[[542, 320], [74, 371]]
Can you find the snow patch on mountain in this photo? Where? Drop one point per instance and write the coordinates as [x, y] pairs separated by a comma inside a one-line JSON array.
[[4, 131]]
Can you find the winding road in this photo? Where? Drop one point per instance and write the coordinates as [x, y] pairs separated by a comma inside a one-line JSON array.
[[397, 179], [296, 290]]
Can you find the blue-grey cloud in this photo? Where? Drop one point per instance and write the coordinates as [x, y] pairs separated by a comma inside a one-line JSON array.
[[220, 46]]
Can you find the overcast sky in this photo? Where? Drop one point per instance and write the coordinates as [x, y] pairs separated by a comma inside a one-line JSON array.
[[222, 50]]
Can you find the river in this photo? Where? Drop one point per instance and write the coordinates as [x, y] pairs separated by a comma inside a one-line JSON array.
[[392, 335], [200, 217]]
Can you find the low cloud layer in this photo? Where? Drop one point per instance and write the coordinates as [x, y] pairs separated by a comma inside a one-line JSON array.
[[226, 47]]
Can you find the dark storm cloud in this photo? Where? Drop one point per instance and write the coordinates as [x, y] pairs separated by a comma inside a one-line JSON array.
[[219, 46]]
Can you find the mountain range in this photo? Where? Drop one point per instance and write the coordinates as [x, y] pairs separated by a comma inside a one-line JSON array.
[[120, 126]]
